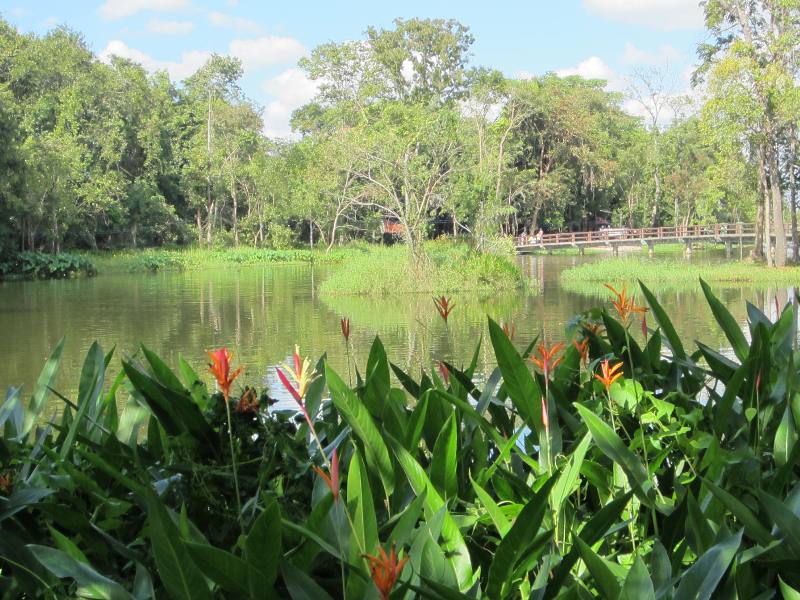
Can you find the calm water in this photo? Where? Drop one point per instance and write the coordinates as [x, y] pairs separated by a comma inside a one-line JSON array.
[[261, 312]]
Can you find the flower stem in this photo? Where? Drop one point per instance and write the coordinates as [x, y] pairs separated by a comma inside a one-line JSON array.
[[233, 465]]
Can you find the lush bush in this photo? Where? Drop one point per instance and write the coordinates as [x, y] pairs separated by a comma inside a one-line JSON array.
[[625, 466], [40, 265], [445, 267]]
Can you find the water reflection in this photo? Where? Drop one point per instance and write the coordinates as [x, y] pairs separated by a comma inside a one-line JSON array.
[[261, 312]]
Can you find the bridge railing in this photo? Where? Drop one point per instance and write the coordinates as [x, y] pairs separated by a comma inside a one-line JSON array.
[[622, 234]]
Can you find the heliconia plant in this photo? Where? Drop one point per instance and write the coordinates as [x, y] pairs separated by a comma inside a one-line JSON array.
[[609, 464]]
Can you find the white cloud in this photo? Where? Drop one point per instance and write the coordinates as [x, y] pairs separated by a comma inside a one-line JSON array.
[[117, 9], [591, 68], [666, 55], [189, 63], [659, 14], [290, 90], [266, 51], [166, 27], [224, 21]]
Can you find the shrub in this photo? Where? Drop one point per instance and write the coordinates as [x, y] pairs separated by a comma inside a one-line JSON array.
[[40, 265], [624, 466]]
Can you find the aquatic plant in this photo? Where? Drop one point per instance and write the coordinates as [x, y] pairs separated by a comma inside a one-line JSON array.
[[622, 470]]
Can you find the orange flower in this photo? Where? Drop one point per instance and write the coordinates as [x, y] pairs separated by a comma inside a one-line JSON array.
[[583, 349], [509, 330], [345, 322], [444, 371], [7, 483], [444, 306], [248, 403], [220, 367], [547, 360], [332, 480], [385, 570], [610, 373], [624, 304]]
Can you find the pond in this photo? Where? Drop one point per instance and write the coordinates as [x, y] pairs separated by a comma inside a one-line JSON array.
[[262, 312]]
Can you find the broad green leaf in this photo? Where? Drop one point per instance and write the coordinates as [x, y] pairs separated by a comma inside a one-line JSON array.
[[231, 573], [701, 579], [518, 539], [752, 525], [358, 417], [604, 579], [361, 508], [569, 476], [495, 512], [517, 379], [788, 523], [785, 438], [89, 388], [42, 389], [91, 584], [67, 546], [444, 462], [300, 585], [612, 446], [179, 574], [788, 592], [454, 546], [664, 322], [263, 545], [638, 585], [726, 321]]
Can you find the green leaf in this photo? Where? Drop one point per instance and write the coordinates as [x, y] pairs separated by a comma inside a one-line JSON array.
[[444, 463], [517, 541], [638, 585], [607, 584], [300, 585], [788, 523], [788, 592], [702, 578], [91, 584], [785, 438], [664, 322], [67, 545], [454, 546], [361, 508], [752, 525], [358, 417], [495, 512], [612, 446], [263, 545], [229, 572], [517, 379], [89, 388], [179, 574], [729, 325], [42, 389]]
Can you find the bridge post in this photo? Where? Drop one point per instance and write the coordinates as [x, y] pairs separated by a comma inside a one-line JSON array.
[[728, 248], [651, 248], [615, 249], [688, 247], [581, 250]]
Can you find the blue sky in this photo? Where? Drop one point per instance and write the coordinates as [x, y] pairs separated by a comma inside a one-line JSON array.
[[594, 38]]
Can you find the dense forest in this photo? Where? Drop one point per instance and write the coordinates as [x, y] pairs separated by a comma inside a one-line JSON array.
[[404, 129]]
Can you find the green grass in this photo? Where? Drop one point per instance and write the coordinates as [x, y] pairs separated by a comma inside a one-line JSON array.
[[450, 267], [674, 273], [131, 261]]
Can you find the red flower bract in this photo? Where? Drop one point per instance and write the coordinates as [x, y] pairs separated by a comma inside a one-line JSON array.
[[220, 367], [385, 570], [610, 373], [332, 479], [547, 360], [444, 306], [345, 323]]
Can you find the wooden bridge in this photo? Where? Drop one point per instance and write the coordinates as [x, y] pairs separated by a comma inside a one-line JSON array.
[[727, 233]]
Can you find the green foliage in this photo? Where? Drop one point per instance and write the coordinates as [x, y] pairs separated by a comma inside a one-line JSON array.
[[680, 482], [40, 265]]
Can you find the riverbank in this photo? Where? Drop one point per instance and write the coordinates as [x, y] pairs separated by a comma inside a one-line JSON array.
[[450, 267], [675, 273]]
